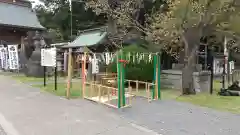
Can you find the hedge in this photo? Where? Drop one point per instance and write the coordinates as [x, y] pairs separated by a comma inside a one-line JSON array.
[[142, 71]]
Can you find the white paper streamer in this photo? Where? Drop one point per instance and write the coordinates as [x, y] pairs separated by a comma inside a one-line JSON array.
[[150, 58], [134, 58], [138, 57], [107, 58], [102, 58], [143, 58], [95, 67], [111, 57], [129, 56], [82, 58], [90, 58]]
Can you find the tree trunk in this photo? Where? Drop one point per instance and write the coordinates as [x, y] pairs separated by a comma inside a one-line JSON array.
[[187, 80], [191, 40], [187, 74]]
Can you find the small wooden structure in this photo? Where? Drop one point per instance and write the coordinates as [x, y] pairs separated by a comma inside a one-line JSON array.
[[109, 88]]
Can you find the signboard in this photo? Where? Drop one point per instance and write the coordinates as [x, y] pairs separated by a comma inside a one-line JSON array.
[[3, 57], [217, 66], [95, 66], [13, 57], [48, 57], [231, 67]]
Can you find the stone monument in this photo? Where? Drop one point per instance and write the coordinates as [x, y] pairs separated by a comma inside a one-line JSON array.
[[34, 68], [26, 50]]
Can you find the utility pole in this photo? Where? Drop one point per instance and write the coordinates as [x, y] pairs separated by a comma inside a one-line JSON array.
[[71, 19], [225, 65]]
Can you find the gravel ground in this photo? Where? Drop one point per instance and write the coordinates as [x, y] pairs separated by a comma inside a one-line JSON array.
[[28, 111], [35, 113], [175, 118]]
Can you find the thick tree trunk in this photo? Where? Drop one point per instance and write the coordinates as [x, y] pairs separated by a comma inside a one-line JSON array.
[[187, 80], [187, 74], [191, 40]]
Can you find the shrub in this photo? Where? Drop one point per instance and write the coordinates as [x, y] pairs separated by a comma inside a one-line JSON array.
[[142, 71]]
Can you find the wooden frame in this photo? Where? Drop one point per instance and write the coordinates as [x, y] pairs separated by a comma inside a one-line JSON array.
[[100, 96], [152, 89]]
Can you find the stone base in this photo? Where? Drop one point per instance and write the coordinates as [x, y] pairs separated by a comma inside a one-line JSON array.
[[173, 79], [34, 71]]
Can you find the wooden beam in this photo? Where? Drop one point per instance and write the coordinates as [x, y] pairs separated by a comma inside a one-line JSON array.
[[69, 73]]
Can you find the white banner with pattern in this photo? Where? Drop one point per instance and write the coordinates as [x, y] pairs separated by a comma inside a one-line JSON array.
[[13, 57]]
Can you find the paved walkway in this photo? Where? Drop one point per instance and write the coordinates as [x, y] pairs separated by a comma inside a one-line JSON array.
[[26, 111]]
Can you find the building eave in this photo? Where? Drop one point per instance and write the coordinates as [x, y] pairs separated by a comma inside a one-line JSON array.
[[23, 27], [18, 16]]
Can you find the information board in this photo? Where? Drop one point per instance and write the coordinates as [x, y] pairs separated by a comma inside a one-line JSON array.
[[231, 67], [48, 57]]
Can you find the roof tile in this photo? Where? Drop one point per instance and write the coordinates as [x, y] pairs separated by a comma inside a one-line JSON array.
[[18, 16]]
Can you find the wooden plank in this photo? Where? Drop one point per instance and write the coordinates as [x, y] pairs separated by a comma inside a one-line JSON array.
[[69, 73], [146, 86], [137, 86], [91, 90], [148, 93], [130, 95], [99, 93], [108, 93], [84, 73], [129, 84]]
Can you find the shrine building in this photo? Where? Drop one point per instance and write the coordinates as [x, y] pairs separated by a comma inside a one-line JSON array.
[[16, 19]]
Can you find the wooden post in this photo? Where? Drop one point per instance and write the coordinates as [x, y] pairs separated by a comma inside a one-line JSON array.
[[159, 77], [22, 44], [130, 95], [146, 86], [65, 61], [129, 83], [69, 72], [154, 77], [83, 73], [91, 90], [148, 93], [137, 85], [119, 82], [99, 93], [108, 93]]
